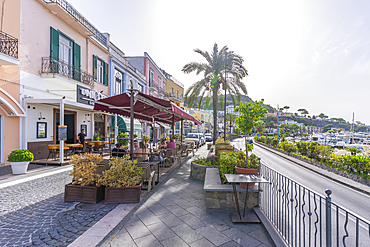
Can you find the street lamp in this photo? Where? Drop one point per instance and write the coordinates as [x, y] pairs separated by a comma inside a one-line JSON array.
[[225, 99]]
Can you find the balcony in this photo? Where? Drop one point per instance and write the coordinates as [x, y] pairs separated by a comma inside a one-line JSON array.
[[55, 66], [153, 86], [8, 49], [176, 97], [71, 16]]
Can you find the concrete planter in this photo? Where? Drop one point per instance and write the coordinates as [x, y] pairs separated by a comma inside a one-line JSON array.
[[19, 167], [122, 194], [198, 171], [221, 196], [86, 194]]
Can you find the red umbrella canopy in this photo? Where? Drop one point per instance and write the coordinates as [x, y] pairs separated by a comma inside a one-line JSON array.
[[146, 107]]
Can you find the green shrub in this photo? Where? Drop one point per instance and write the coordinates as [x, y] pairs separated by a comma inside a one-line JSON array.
[[20, 156], [228, 161], [288, 147], [203, 161]]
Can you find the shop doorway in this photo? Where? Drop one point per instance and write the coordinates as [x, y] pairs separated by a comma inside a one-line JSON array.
[[69, 121]]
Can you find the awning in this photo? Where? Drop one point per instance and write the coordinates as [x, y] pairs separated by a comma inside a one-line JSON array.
[[164, 126], [146, 107], [10, 106], [123, 124]]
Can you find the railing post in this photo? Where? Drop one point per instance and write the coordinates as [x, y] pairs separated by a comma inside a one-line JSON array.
[[259, 184], [328, 218]]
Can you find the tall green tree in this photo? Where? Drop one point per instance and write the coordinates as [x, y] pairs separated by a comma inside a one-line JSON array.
[[213, 70], [249, 114]]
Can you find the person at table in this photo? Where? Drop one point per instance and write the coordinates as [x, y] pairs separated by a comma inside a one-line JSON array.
[[171, 144], [81, 139], [118, 151], [136, 146], [142, 151]]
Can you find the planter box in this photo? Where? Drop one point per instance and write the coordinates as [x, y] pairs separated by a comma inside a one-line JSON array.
[[122, 194], [87, 194], [198, 171], [221, 196]]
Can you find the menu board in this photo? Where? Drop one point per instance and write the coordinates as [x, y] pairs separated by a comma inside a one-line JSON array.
[[62, 132]]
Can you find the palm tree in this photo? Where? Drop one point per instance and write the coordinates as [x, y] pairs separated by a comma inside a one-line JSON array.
[[214, 78]]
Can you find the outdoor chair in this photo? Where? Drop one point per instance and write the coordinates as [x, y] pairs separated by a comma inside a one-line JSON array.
[[78, 149], [52, 151], [190, 148], [183, 148], [168, 157], [176, 154], [146, 170]]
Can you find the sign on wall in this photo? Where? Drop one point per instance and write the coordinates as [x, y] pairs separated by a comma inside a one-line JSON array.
[[88, 96]]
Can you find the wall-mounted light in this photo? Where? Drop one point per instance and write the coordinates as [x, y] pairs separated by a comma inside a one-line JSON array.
[[41, 117]]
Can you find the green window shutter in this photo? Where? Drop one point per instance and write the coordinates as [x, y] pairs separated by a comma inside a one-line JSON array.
[[54, 43], [105, 78], [76, 62], [95, 72], [76, 55]]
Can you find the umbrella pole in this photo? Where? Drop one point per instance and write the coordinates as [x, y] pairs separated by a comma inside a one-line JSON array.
[[173, 126], [182, 128], [132, 123]]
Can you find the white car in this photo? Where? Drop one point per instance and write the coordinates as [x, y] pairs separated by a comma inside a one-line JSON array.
[[194, 137]]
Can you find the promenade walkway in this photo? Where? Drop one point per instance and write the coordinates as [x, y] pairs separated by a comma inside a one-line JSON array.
[[175, 215]]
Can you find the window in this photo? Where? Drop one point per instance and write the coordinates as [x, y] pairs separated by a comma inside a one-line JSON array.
[[140, 87], [151, 79], [118, 82], [177, 94], [65, 50], [100, 70], [172, 90], [65, 55]]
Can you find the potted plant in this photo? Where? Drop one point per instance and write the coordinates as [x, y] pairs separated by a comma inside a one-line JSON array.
[[97, 136], [122, 181], [84, 187], [249, 114], [19, 160], [123, 138]]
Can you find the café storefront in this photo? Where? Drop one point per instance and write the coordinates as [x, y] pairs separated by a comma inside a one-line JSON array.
[[44, 117]]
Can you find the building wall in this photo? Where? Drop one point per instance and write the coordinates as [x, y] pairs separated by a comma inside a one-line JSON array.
[[9, 82]]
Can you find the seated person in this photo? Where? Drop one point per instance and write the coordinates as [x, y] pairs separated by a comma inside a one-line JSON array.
[[118, 151], [136, 146], [143, 152], [171, 144]]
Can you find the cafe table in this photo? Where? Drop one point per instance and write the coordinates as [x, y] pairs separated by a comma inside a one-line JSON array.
[[250, 217]]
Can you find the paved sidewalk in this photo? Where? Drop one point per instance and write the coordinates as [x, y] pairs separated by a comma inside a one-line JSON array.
[[175, 215]]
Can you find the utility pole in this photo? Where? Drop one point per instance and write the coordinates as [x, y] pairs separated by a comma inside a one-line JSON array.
[[277, 125]]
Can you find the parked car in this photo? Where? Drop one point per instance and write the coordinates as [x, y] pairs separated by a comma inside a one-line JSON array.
[[209, 137], [194, 137]]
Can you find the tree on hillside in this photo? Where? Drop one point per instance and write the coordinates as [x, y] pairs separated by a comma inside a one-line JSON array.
[[322, 115], [286, 108], [214, 78], [303, 111]]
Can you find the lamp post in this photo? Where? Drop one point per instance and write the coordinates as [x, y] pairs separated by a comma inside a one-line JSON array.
[[225, 100]]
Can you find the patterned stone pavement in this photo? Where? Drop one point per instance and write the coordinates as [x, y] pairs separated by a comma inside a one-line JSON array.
[[175, 215], [34, 213]]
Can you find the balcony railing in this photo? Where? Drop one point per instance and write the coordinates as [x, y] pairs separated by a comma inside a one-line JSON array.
[[54, 65], [80, 18], [8, 45], [154, 84], [176, 96]]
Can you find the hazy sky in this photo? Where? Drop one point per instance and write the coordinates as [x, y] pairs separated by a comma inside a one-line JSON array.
[[303, 54]]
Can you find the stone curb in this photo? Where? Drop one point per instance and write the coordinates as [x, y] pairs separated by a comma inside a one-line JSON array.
[[119, 226], [337, 178]]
